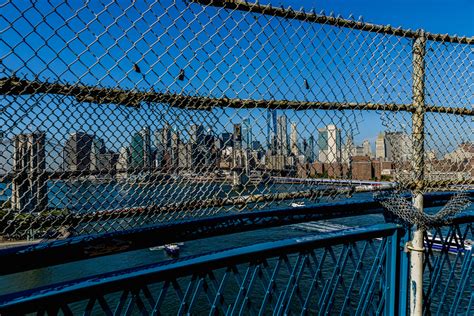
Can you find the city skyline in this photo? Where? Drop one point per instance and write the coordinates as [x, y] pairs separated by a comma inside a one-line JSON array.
[[285, 133]]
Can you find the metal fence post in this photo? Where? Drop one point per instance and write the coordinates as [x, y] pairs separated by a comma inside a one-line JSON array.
[[416, 247]]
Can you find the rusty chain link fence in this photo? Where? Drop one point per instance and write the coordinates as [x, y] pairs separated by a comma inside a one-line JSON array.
[[115, 115]]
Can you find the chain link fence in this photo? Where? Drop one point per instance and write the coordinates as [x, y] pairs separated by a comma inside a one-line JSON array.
[[115, 115]]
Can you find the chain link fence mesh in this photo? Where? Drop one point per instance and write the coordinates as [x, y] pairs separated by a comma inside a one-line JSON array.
[[115, 115]]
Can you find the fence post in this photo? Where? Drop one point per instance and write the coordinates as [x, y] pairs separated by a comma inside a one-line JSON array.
[[416, 247]]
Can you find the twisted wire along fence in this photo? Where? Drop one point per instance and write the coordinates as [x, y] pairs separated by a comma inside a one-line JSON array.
[[117, 115]]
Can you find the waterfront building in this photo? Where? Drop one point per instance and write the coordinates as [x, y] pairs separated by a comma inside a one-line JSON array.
[[140, 150], [464, 152], [380, 151], [77, 151], [196, 134], [329, 143], [197, 143], [29, 187], [184, 153]]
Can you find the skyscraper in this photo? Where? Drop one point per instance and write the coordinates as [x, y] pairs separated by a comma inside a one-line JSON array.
[[310, 149], [97, 151], [282, 135], [29, 189], [329, 143], [367, 151], [162, 144], [77, 151], [197, 145], [380, 152], [141, 149], [123, 162], [196, 134], [348, 150], [398, 146], [294, 139], [246, 134], [175, 141], [271, 129], [237, 137]]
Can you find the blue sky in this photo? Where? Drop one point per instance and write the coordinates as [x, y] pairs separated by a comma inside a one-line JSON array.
[[242, 56], [436, 16]]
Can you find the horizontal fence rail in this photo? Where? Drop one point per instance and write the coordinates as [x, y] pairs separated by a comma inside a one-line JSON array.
[[14, 86]]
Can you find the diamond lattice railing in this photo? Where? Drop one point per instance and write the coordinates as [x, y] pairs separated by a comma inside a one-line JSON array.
[[448, 270], [316, 273]]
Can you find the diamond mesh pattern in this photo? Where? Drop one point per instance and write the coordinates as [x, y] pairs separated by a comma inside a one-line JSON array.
[[119, 115]]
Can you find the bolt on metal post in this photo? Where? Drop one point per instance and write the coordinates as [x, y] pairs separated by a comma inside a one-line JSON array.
[[418, 117]]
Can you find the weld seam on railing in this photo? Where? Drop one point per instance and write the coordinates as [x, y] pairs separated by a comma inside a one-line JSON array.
[[330, 20], [100, 95]]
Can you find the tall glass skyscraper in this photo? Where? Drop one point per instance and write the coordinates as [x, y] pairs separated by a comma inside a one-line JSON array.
[[246, 134], [141, 149]]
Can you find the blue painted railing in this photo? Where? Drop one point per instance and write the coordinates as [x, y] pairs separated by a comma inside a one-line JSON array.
[[358, 271]]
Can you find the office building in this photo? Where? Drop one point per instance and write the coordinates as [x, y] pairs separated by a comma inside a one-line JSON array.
[[140, 150], [366, 150], [282, 136], [398, 146], [380, 152], [246, 134], [77, 152], [329, 143]]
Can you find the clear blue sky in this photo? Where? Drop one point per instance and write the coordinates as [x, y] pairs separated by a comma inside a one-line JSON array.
[[256, 57], [436, 16]]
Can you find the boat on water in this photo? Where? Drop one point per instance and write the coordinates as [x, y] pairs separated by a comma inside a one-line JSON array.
[[297, 204], [170, 249], [453, 246]]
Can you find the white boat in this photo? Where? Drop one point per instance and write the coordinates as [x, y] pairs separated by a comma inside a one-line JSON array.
[[172, 249], [453, 246], [297, 204], [169, 248]]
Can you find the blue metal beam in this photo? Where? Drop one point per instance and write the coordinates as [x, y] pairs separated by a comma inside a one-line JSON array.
[[62, 293], [45, 254]]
